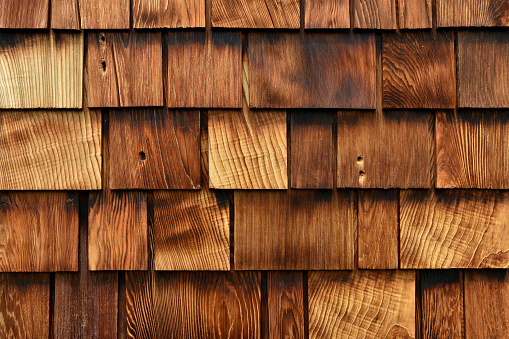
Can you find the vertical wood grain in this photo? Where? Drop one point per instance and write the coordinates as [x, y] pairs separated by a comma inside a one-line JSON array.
[[168, 13], [24, 14], [375, 14], [65, 14], [472, 13], [415, 14], [100, 14], [327, 14]]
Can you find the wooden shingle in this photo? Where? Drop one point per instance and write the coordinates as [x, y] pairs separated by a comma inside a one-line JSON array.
[[41, 70], [314, 70], [415, 14], [483, 69], [418, 70], [24, 14], [65, 14], [327, 14], [256, 13], [100, 14], [168, 13], [472, 13], [379, 14]]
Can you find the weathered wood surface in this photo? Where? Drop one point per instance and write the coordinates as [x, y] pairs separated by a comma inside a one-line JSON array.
[[24, 14], [377, 230], [379, 14], [248, 149], [125, 69], [192, 228], [312, 150], [418, 70], [384, 150], [314, 70], [415, 14], [39, 231], [472, 13], [65, 14], [193, 305], [168, 13], [100, 14], [472, 149], [256, 13], [25, 305], [442, 304], [50, 150], [362, 304], [306, 230], [454, 229], [327, 14], [154, 149], [204, 69], [486, 304], [41, 70], [483, 70], [286, 304]]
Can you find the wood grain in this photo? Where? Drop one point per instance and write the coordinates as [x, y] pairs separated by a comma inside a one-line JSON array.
[[415, 14], [486, 304], [24, 14], [454, 229], [41, 70], [314, 70], [256, 13], [204, 69], [362, 304], [442, 304], [39, 231], [154, 149], [85, 302], [100, 14], [312, 150], [168, 13], [125, 69], [50, 150], [286, 305], [472, 149], [327, 14], [379, 14], [483, 80], [384, 150], [418, 70], [24, 305], [248, 149], [192, 228], [377, 230], [305, 230], [65, 14], [472, 13], [193, 305]]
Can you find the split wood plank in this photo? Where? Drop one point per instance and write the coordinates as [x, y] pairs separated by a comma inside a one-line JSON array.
[[375, 14], [415, 14], [204, 69], [362, 304], [168, 13], [418, 70], [286, 305], [306, 230], [65, 14], [125, 69], [454, 229], [86, 302], [384, 150], [100, 14], [486, 303], [256, 13], [24, 305], [327, 14], [154, 149], [39, 231], [442, 304], [248, 149], [472, 13], [191, 229], [483, 70], [24, 14], [472, 149], [312, 150], [377, 230], [41, 70], [314, 70], [193, 304], [50, 150]]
